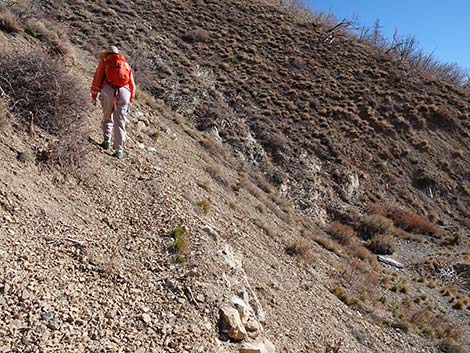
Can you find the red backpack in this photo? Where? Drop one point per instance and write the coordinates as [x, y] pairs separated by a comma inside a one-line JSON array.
[[118, 72]]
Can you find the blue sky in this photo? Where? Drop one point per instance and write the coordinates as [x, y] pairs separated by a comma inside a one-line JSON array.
[[439, 25]]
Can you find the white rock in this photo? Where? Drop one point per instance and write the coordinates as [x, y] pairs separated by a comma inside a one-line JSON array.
[[244, 309], [264, 346], [389, 261], [231, 324], [146, 318]]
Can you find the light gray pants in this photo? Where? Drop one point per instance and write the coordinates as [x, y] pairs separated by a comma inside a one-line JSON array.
[[116, 106]]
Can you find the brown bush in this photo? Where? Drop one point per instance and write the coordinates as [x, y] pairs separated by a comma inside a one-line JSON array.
[[342, 233], [56, 38], [382, 244], [8, 22], [411, 222], [301, 248], [359, 251], [43, 93]]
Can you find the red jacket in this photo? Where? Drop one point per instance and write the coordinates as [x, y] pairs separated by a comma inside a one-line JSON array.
[[99, 81]]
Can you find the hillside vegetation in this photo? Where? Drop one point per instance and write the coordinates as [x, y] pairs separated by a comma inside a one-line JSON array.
[[271, 159]]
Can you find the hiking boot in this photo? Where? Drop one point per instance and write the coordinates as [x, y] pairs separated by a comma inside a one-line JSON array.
[[119, 153], [105, 144]]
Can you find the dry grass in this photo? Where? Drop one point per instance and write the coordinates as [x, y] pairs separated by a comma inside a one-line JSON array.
[[8, 21], [374, 224], [448, 345], [216, 148], [325, 243], [43, 94], [215, 171], [302, 248], [356, 282], [382, 244], [359, 251], [50, 33], [342, 233], [265, 227], [408, 220], [342, 295]]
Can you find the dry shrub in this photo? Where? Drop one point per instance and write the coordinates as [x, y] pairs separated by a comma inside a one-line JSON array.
[[374, 224], [357, 250], [8, 22], [49, 32], [215, 171], [342, 233], [357, 280], [382, 244], [265, 227], [442, 117], [42, 92], [213, 146], [196, 35], [448, 345], [325, 243], [432, 324], [411, 222], [300, 247]]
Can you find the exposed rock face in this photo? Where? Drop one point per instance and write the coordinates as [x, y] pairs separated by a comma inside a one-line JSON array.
[[238, 318]]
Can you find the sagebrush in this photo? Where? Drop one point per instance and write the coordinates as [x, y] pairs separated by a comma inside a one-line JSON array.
[[44, 95]]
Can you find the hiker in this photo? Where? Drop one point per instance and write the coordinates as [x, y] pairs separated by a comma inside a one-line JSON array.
[[114, 82]]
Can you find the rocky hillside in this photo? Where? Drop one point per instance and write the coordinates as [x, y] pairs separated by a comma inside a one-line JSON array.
[[250, 135], [333, 124]]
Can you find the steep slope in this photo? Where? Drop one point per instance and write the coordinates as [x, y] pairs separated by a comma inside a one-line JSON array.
[[338, 124], [88, 266], [89, 262]]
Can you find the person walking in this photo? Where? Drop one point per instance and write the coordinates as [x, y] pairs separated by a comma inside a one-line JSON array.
[[114, 82]]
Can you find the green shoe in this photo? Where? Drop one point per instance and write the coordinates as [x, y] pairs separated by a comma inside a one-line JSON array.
[[105, 144], [119, 153]]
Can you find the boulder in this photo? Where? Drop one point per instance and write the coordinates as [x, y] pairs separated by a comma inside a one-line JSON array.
[[389, 261], [231, 324]]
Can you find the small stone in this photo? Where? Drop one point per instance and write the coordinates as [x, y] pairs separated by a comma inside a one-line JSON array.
[[146, 318], [200, 298], [8, 219], [211, 231], [140, 126]]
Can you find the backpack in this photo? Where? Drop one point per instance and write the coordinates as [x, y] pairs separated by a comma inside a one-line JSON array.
[[117, 71]]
